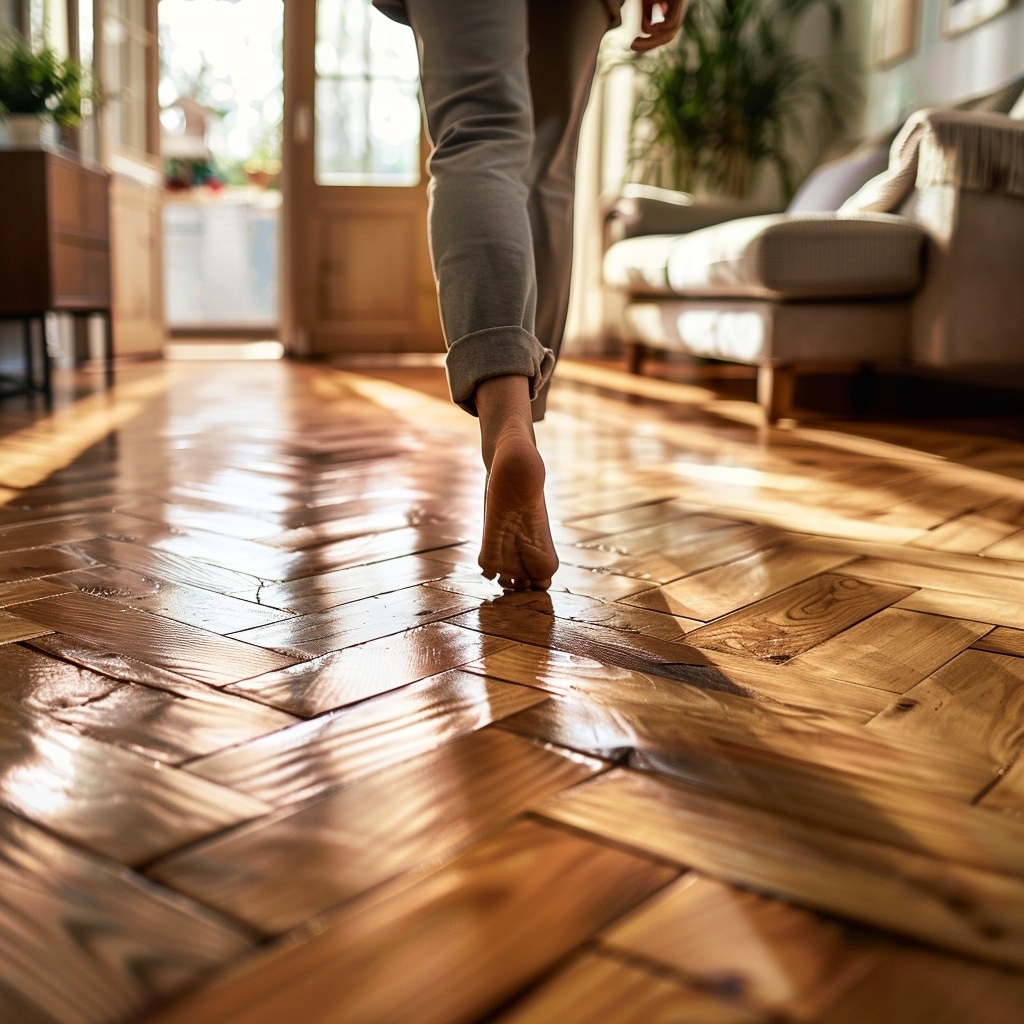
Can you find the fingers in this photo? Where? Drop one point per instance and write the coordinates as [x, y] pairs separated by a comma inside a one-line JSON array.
[[659, 23]]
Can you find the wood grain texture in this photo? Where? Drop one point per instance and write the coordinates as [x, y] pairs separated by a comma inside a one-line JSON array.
[[334, 750], [118, 943], [716, 592], [975, 703], [794, 621], [596, 987], [892, 650], [105, 799], [761, 952], [277, 874], [455, 945], [918, 987], [199, 654], [962, 909], [348, 676]]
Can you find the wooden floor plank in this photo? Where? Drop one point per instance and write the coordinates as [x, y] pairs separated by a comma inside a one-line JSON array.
[[277, 874], [957, 908], [367, 670], [793, 621], [518, 917], [976, 703], [193, 606], [318, 633], [771, 956], [892, 650], [716, 592], [337, 749], [105, 799], [200, 654], [119, 945], [597, 987], [919, 987]]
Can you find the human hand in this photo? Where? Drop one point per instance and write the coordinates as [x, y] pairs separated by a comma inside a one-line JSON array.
[[659, 23]]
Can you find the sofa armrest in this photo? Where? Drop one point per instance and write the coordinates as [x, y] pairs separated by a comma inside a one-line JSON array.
[[972, 150], [646, 210], [965, 149]]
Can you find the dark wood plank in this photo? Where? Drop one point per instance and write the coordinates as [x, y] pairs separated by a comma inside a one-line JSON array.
[[84, 940], [518, 918], [914, 986]]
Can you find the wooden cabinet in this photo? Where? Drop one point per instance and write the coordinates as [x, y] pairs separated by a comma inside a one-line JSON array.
[[54, 244]]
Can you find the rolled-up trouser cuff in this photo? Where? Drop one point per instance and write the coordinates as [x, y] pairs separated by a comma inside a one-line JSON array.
[[496, 352]]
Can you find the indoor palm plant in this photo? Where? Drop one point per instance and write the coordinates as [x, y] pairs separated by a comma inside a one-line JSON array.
[[38, 88], [733, 93]]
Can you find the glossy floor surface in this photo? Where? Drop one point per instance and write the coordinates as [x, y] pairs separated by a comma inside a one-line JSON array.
[[272, 751]]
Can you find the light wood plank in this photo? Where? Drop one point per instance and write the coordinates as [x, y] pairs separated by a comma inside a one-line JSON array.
[[773, 956], [793, 621], [597, 987], [975, 703], [367, 670], [965, 606], [962, 909], [716, 592], [892, 650], [200, 654], [517, 918], [279, 873], [339, 748]]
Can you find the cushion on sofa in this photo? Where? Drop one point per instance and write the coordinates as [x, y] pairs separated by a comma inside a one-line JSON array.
[[780, 256], [832, 183]]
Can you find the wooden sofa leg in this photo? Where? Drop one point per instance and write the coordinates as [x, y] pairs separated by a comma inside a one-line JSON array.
[[775, 391], [636, 353]]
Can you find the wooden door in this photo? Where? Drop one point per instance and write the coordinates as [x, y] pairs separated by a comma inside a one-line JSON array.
[[127, 68], [356, 263]]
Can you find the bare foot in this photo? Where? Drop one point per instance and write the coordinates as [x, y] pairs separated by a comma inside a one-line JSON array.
[[517, 547]]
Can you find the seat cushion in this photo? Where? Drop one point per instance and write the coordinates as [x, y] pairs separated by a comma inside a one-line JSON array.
[[779, 256]]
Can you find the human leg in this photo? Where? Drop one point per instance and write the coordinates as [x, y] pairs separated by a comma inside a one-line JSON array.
[[564, 40]]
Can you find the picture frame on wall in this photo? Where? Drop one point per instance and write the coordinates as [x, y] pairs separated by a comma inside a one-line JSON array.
[[961, 15], [894, 31]]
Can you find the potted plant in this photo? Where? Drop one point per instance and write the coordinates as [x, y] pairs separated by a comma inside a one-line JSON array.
[[39, 92], [732, 94]]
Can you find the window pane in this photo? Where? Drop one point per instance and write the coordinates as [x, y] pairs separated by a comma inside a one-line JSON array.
[[367, 106]]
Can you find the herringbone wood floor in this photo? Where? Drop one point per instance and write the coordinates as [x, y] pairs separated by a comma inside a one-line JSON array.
[[273, 752]]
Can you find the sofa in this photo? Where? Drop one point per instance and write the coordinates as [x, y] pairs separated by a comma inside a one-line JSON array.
[[909, 249]]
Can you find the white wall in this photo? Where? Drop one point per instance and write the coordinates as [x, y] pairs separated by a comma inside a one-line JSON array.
[[947, 68]]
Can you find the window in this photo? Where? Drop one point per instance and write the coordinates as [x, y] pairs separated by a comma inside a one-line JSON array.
[[367, 105]]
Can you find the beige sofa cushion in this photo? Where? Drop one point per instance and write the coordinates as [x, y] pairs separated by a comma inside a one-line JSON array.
[[779, 256]]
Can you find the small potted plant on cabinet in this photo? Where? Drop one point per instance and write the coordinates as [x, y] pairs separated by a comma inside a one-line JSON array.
[[39, 93]]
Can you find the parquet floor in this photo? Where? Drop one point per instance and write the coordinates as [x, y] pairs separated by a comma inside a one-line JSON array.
[[272, 752]]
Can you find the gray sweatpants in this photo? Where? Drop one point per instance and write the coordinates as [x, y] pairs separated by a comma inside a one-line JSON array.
[[504, 86]]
